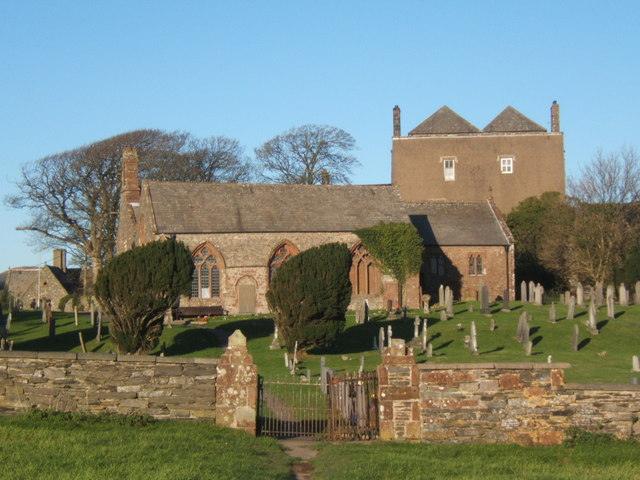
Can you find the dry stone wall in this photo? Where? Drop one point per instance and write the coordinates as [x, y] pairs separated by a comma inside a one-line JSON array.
[[524, 403], [163, 387]]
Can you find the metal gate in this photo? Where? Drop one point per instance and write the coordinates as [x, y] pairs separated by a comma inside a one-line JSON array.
[[344, 407]]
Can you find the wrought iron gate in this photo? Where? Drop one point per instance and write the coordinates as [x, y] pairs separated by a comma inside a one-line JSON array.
[[345, 407]]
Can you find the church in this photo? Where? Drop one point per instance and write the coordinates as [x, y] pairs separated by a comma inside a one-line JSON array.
[[239, 234]]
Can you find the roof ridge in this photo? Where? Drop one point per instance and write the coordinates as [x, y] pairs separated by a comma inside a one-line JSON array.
[[442, 121], [266, 185], [510, 119]]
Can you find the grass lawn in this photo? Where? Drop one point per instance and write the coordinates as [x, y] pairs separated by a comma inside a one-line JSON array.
[[602, 358], [65, 446], [601, 460]]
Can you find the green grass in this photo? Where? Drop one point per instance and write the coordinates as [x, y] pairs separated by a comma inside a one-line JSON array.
[[591, 460], [602, 358], [65, 446]]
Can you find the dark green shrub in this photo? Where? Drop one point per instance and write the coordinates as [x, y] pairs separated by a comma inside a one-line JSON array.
[[138, 286], [309, 296]]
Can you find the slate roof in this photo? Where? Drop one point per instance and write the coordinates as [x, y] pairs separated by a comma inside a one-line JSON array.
[[71, 280], [457, 223], [511, 120], [182, 207], [444, 121]]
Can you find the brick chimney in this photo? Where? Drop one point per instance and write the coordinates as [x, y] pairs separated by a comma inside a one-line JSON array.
[[130, 176], [555, 116], [325, 177], [60, 258], [396, 121]]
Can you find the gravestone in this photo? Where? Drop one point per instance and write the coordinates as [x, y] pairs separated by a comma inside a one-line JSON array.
[[635, 363], [443, 316], [492, 325], [523, 291], [623, 296], [424, 335], [552, 313], [484, 297], [522, 331], [539, 293], [579, 295], [275, 342], [381, 339], [592, 322], [425, 303], [532, 291], [610, 292], [571, 308], [416, 327], [448, 298], [575, 338], [389, 335], [611, 308], [636, 293], [473, 345], [505, 301], [567, 296], [441, 296], [528, 348]]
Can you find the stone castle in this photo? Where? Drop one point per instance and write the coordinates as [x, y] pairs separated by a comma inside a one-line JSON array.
[[449, 179]]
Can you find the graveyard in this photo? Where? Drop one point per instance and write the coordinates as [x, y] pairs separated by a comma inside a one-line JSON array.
[[604, 356]]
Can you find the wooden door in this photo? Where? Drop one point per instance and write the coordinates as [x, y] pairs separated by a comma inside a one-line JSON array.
[[247, 298]]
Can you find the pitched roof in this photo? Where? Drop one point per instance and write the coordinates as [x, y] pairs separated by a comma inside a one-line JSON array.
[[181, 207], [444, 121], [71, 280], [511, 120], [457, 223]]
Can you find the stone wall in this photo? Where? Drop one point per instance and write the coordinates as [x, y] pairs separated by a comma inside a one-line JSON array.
[[163, 387], [524, 403]]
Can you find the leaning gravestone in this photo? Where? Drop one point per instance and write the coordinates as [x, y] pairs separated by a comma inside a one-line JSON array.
[[523, 291], [484, 297], [580, 295]]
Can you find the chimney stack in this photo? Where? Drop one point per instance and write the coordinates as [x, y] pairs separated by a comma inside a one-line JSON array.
[[555, 116], [130, 176], [396, 122], [325, 177], [60, 259]]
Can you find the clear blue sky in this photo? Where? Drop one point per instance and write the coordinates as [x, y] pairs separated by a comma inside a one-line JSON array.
[[75, 72]]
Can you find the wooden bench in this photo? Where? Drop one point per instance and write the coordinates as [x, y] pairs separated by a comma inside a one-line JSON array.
[[191, 312]]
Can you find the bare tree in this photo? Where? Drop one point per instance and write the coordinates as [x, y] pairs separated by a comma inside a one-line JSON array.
[[73, 196], [605, 197], [309, 154]]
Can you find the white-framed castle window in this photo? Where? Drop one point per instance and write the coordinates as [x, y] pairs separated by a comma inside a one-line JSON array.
[[449, 166], [506, 165]]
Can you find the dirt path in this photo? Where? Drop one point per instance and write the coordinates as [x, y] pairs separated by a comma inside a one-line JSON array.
[[302, 451]]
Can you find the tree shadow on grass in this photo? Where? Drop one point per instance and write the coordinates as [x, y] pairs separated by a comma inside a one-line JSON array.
[[62, 342], [251, 328], [192, 340], [584, 343]]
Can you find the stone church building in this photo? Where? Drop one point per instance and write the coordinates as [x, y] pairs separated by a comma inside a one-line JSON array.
[[240, 234]]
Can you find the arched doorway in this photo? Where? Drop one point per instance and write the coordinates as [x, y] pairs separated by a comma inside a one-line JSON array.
[[246, 287], [281, 254]]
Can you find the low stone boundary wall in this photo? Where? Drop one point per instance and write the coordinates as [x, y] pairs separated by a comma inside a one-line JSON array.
[[524, 403], [163, 387]]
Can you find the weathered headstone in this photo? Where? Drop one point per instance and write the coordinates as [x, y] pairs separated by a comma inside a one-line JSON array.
[[443, 316], [532, 291], [381, 338], [636, 293], [92, 315], [99, 329], [611, 308], [567, 297], [571, 308], [552, 313], [635, 363], [592, 322], [623, 295], [416, 327], [448, 298], [425, 303], [424, 334], [275, 342], [539, 294], [473, 346], [505, 301], [389, 335], [9, 319], [611, 292], [492, 325], [528, 347], [429, 349], [523, 291], [361, 367], [75, 315], [441, 296], [579, 295], [575, 338], [522, 332], [286, 360], [484, 298]]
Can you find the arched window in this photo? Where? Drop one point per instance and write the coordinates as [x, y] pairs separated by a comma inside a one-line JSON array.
[[365, 275], [206, 275], [280, 255], [476, 266]]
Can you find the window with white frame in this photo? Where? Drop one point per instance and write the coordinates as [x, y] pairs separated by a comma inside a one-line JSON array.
[[506, 165], [449, 165]]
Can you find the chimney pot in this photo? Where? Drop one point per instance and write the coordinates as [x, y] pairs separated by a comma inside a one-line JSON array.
[[396, 122], [555, 116]]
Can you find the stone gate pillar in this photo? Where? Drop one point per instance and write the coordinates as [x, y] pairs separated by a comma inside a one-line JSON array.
[[399, 393], [237, 386]]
